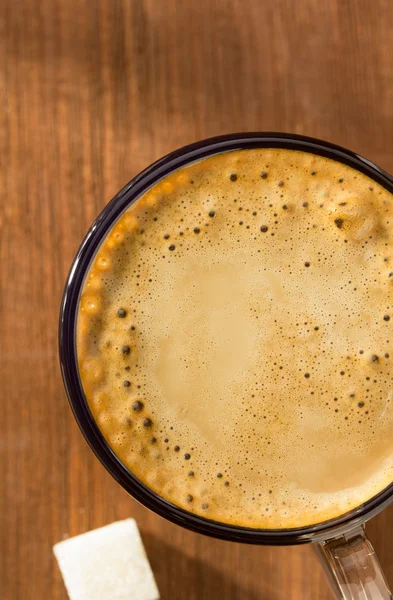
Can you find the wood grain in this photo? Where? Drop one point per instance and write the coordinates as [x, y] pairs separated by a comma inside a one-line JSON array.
[[91, 92]]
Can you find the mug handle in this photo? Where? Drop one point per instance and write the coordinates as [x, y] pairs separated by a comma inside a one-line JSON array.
[[352, 567]]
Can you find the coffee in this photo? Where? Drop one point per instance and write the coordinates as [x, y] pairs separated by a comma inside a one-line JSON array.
[[234, 338]]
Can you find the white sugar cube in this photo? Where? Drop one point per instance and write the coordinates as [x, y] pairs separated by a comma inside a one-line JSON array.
[[109, 563]]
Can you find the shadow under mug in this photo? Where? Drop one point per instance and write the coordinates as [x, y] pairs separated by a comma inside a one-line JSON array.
[[349, 560]]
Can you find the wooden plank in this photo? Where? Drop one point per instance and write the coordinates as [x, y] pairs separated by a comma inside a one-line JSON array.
[[91, 92]]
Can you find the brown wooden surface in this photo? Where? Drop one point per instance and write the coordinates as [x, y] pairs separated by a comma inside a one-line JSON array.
[[91, 92]]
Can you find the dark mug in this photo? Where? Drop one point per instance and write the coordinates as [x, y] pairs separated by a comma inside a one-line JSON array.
[[347, 555]]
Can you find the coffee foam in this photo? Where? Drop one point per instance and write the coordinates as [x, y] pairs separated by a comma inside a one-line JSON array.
[[255, 338]]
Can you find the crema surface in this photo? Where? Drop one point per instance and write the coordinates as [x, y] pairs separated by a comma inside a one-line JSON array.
[[234, 338]]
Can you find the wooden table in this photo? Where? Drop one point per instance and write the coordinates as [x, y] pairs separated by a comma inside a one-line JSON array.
[[91, 92]]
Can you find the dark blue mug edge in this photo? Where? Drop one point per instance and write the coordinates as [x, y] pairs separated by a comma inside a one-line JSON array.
[[67, 351]]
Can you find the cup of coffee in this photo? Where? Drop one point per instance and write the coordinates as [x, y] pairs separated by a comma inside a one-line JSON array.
[[226, 345]]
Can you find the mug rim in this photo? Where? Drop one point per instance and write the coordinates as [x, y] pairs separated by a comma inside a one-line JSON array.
[[67, 338]]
